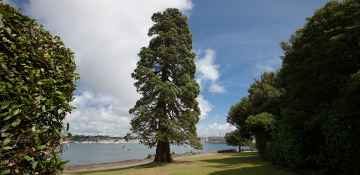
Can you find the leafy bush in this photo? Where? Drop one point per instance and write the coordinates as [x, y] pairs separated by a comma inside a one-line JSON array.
[[37, 83]]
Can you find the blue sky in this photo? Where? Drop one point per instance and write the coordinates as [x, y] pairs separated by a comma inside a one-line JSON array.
[[235, 41]]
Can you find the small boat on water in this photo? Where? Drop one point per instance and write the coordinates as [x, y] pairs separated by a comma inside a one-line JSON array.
[[125, 149]]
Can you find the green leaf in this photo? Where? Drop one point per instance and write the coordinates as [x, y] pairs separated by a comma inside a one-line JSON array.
[[8, 30], [4, 162], [7, 118], [16, 122], [5, 172], [28, 158], [67, 127], [7, 141], [34, 164], [5, 128], [5, 105], [17, 111], [8, 147], [69, 134]]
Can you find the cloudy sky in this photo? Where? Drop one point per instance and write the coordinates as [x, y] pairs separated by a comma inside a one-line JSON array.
[[235, 41]]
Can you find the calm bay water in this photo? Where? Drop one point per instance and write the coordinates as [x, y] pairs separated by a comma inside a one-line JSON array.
[[99, 153]]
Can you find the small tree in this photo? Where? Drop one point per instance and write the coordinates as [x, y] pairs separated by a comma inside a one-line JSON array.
[[36, 85], [261, 125], [235, 138], [168, 111]]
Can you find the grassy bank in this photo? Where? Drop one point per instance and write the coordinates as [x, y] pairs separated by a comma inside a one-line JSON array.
[[231, 163]]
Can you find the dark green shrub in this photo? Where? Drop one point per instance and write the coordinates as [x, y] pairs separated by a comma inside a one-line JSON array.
[[36, 85]]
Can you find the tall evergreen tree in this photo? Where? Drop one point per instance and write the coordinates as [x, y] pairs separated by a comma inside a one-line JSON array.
[[168, 111]]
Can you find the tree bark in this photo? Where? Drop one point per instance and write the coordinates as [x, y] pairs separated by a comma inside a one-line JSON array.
[[163, 152]]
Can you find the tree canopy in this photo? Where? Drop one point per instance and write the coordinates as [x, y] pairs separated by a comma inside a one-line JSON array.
[[235, 138], [168, 111], [314, 97], [37, 81]]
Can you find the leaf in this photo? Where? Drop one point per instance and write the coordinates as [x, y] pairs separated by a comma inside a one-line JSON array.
[[5, 128], [67, 127], [69, 134], [28, 158], [7, 147], [5, 172], [6, 141], [16, 122], [8, 30], [60, 111], [34, 164], [4, 162], [5, 105], [17, 111]]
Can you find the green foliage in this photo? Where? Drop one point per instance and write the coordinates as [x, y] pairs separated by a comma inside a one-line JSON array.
[[262, 106], [265, 95], [314, 132], [341, 130], [263, 122], [168, 110], [37, 83], [234, 138], [237, 115], [261, 125], [315, 97]]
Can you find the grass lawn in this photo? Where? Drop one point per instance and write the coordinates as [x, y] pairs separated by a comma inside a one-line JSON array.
[[221, 164]]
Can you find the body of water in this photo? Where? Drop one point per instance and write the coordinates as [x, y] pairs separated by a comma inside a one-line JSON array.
[[99, 153]]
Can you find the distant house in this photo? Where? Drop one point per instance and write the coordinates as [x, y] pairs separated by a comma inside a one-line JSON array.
[[216, 140]]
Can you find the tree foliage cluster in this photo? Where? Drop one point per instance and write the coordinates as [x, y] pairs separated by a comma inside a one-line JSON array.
[[234, 138], [167, 112], [36, 85], [307, 118]]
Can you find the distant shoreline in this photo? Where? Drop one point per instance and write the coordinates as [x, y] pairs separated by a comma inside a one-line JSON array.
[[136, 162], [109, 141]]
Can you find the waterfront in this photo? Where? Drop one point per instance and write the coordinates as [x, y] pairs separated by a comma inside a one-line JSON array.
[[99, 153]]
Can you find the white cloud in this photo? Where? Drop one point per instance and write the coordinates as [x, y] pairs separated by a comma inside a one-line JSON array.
[[99, 114], [214, 129], [207, 71], [106, 37], [204, 106]]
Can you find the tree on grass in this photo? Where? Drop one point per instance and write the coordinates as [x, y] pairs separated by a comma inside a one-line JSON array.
[[36, 85], [168, 111], [235, 138]]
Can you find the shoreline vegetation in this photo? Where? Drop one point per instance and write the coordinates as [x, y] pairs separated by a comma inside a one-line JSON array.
[[213, 162]]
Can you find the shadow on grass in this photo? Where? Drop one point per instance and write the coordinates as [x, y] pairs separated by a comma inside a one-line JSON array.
[[235, 160], [243, 163], [148, 165], [255, 170]]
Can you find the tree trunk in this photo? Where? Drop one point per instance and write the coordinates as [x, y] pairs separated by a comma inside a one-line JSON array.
[[163, 152]]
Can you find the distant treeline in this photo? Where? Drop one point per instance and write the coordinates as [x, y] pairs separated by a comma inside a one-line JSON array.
[[81, 138]]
